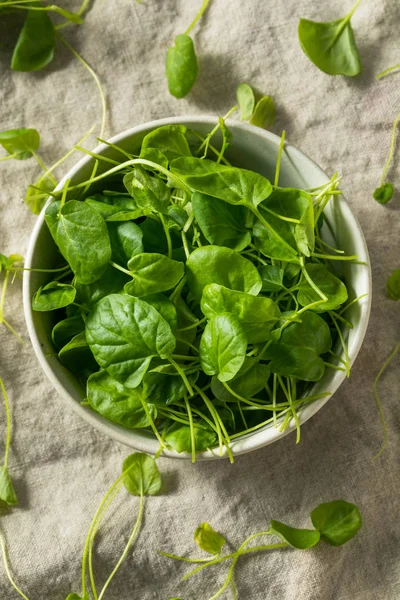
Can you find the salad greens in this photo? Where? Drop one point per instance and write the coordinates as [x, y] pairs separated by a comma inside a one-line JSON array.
[[331, 46], [181, 65], [197, 299], [335, 522]]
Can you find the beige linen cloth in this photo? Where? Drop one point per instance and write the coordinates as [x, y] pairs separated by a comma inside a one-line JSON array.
[[60, 465]]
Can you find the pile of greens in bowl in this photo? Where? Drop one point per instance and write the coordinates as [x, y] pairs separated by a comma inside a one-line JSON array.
[[197, 299]]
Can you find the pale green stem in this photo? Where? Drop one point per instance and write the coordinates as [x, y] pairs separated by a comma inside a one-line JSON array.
[[127, 547], [387, 71], [192, 436], [3, 295], [391, 151], [198, 16], [377, 400], [8, 421], [45, 169], [182, 374], [167, 234], [310, 281], [7, 568], [279, 157]]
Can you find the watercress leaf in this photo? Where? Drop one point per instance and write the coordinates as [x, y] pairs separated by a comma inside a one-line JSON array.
[[155, 156], [82, 237], [250, 379], [7, 492], [334, 289], [126, 241], [272, 242], [384, 193], [177, 217], [36, 43], [337, 521], [171, 140], [393, 285], [295, 204], [223, 347], [231, 184], [53, 296], [147, 191], [181, 66], [20, 142], [301, 539], [186, 318], [208, 539], [256, 314], [153, 273], [128, 215], [34, 199], [143, 477], [109, 206], [179, 437], [112, 282], [153, 236], [8, 263], [163, 385], [221, 224], [331, 46], [65, 330], [297, 353], [246, 101], [116, 402], [272, 278], [165, 307], [77, 597], [124, 333], [215, 264], [77, 357], [264, 113]]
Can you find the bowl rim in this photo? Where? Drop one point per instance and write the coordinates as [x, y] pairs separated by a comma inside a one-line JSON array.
[[251, 441]]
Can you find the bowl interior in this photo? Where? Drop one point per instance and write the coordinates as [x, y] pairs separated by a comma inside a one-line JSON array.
[[252, 148]]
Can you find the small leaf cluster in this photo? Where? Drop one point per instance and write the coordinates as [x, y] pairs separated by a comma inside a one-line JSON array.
[[336, 523]]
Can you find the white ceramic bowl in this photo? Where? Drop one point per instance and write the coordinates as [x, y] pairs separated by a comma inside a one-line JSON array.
[[252, 148]]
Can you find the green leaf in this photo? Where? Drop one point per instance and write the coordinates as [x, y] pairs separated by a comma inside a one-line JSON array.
[[337, 521], [82, 237], [208, 539], [77, 597], [53, 296], [163, 385], [77, 357], [297, 353], [147, 191], [272, 278], [179, 437], [393, 285], [181, 66], [233, 185], [165, 307], [256, 314], [331, 286], [264, 113], [8, 262], [215, 264], [223, 347], [384, 193], [155, 156], [7, 493], [21, 143], [251, 378], [36, 43], [65, 330], [124, 333], [271, 241], [301, 539], [171, 140], [112, 282], [109, 206], [221, 224], [246, 101], [126, 241], [331, 46], [153, 273], [116, 402], [143, 478], [34, 199]]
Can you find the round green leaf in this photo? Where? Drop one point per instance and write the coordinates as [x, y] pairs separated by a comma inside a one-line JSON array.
[[208, 539], [223, 347], [384, 193], [179, 437], [264, 113], [215, 264], [20, 143], [181, 66], [393, 285], [334, 289], [246, 101], [36, 43], [143, 477], [301, 539], [53, 296], [338, 521], [153, 273]]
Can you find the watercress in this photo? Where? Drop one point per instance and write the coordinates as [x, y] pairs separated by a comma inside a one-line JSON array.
[[331, 46], [190, 301]]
